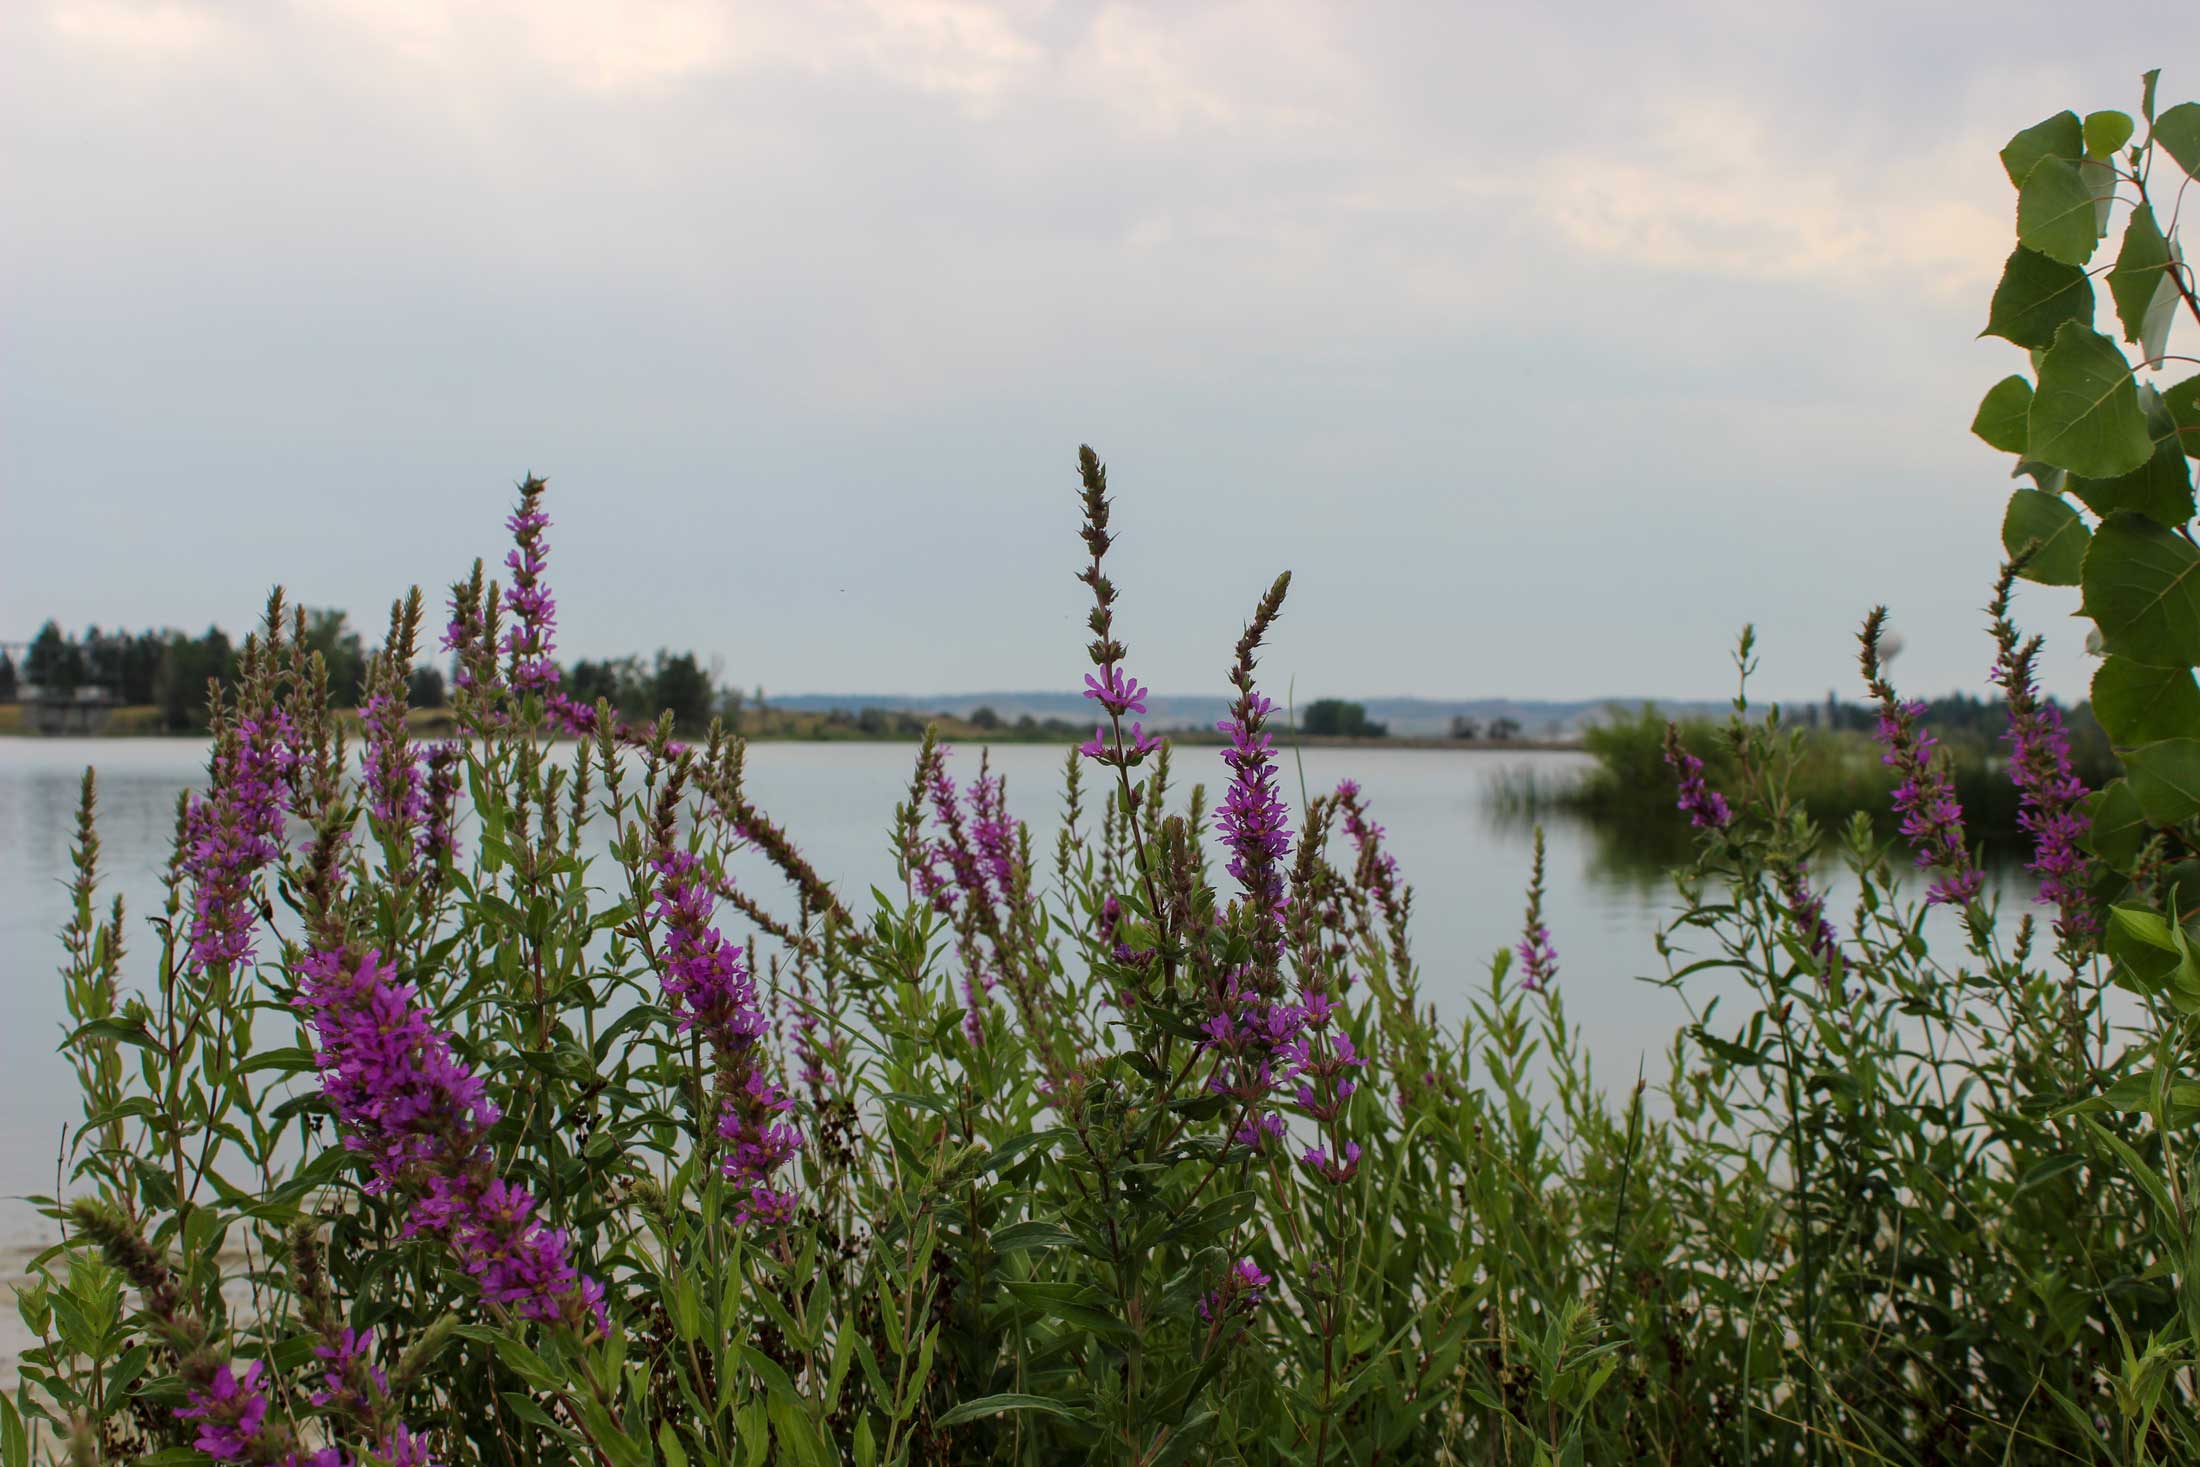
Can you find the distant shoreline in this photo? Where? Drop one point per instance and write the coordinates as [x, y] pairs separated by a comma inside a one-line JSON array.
[[135, 723]]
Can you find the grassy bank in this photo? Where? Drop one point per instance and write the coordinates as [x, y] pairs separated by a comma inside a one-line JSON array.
[[1836, 773]]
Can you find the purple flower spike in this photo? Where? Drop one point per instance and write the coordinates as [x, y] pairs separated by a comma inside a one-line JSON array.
[[231, 1413], [2049, 796], [233, 831], [708, 986], [1704, 806], [1538, 959], [420, 1119], [1244, 1289], [1116, 691], [1926, 800]]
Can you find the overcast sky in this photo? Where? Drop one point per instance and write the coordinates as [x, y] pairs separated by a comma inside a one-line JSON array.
[[1544, 349]]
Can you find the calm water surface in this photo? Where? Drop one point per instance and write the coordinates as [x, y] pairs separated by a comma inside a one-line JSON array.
[[1467, 865]]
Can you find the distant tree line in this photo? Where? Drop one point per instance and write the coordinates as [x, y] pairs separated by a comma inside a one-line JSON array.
[[170, 670], [1338, 718]]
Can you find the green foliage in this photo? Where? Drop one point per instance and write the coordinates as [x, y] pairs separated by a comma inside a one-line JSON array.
[[1338, 718], [1913, 1185], [2035, 298], [2085, 412], [2049, 536]]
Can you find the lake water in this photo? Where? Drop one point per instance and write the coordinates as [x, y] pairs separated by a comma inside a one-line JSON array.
[[1468, 866]]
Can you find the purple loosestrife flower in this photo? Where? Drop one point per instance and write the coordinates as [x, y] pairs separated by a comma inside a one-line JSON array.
[[757, 1145], [231, 1411], [395, 798], [1538, 959], [993, 833], [438, 841], [233, 831], [1116, 691], [1244, 1289], [1932, 821], [1704, 806], [1806, 908], [707, 982], [706, 978], [420, 1119], [2049, 794], [1252, 819], [533, 636], [469, 637], [1926, 801], [1335, 1172], [349, 1352]]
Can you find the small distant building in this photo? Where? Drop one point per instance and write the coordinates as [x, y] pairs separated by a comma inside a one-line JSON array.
[[62, 711]]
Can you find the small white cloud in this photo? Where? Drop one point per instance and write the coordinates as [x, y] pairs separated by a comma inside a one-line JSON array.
[[1713, 190], [145, 27]]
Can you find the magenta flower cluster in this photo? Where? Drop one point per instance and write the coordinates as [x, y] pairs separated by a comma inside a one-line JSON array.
[[1704, 806], [233, 831], [438, 838], [420, 1119], [1925, 799], [1252, 818], [1538, 958], [396, 798], [709, 989], [1244, 1289], [232, 1414], [1119, 694], [533, 636], [2049, 801]]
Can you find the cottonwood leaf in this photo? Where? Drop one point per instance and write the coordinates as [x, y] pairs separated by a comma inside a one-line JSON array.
[[2183, 403], [2162, 310], [2085, 412], [2138, 273], [2002, 414], [2053, 531], [2117, 827], [2138, 704], [2165, 777], [2055, 211], [2060, 136], [2178, 131], [2142, 589], [2160, 488], [2106, 133], [2035, 297]]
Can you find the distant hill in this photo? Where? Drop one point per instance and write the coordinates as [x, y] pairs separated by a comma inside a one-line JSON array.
[[1406, 717]]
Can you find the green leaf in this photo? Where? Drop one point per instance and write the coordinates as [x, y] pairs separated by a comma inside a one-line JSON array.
[[1026, 1236], [2147, 81], [2052, 528], [1011, 1401], [2178, 131], [2165, 775], [2118, 825], [2139, 271], [2142, 591], [2138, 704], [2001, 417], [2182, 401], [2106, 133], [2085, 412], [2160, 488], [2056, 213], [2060, 136], [2035, 297]]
